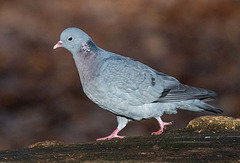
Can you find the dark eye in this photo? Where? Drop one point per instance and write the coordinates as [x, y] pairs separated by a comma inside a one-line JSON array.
[[70, 38]]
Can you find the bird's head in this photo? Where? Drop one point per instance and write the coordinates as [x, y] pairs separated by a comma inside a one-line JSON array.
[[72, 39]]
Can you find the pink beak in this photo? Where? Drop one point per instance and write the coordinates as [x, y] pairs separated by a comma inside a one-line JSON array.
[[58, 45]]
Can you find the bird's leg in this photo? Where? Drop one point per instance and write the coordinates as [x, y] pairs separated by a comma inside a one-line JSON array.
[[122, 122], [162, 125]]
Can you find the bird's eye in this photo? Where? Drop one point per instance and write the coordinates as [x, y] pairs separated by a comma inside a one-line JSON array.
[[70, 38]]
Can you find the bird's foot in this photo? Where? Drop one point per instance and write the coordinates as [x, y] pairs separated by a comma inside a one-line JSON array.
[[162, 126], [111, 137], [160, 131]]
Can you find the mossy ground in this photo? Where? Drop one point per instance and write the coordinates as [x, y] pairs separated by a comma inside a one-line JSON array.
[[185, 145]]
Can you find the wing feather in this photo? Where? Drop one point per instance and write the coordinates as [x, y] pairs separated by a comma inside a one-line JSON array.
[[184, 92], [134, 82], [137, 84]]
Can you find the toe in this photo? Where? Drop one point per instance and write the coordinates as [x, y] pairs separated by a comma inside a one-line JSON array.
[[105, 138], [120, 137], [167, 123], [111, 137], [157, 132]]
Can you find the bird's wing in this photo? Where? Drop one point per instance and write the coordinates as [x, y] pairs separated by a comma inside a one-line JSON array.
[[184, 92], [134, 82], [138, 84]]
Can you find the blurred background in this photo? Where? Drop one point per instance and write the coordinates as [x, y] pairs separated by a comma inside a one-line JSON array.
[[41, 98]]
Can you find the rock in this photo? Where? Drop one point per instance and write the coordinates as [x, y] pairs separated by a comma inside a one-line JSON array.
[[214, 124], [46, 143]]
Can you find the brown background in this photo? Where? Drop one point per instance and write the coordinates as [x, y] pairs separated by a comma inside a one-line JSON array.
[[196, 41]]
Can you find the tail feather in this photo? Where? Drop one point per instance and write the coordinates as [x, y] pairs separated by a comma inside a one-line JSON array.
[[184, 92], [207, 107]]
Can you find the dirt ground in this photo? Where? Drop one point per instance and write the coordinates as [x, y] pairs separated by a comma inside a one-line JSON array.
[[211, 144]]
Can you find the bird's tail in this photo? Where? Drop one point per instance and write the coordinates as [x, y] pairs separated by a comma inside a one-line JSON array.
[[197, 105], [204, 106]]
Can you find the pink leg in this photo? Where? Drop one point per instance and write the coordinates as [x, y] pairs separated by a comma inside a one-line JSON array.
[[113, 135], [162, 125], [122, 122]]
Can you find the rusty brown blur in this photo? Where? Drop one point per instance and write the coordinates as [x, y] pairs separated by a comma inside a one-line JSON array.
[[196, 41]]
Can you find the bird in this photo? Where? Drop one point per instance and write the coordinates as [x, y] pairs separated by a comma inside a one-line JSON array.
[[128, 88]]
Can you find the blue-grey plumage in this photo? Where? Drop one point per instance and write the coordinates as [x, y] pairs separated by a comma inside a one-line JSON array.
[[129, 89]]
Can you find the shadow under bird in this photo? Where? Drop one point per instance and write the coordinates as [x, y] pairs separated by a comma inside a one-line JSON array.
[[129, 89]]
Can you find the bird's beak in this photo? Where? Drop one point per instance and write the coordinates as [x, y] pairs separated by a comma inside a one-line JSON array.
[[58, 45]]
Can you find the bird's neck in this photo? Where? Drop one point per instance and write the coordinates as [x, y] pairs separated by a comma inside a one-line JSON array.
[[87, 61], [87, 52]]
